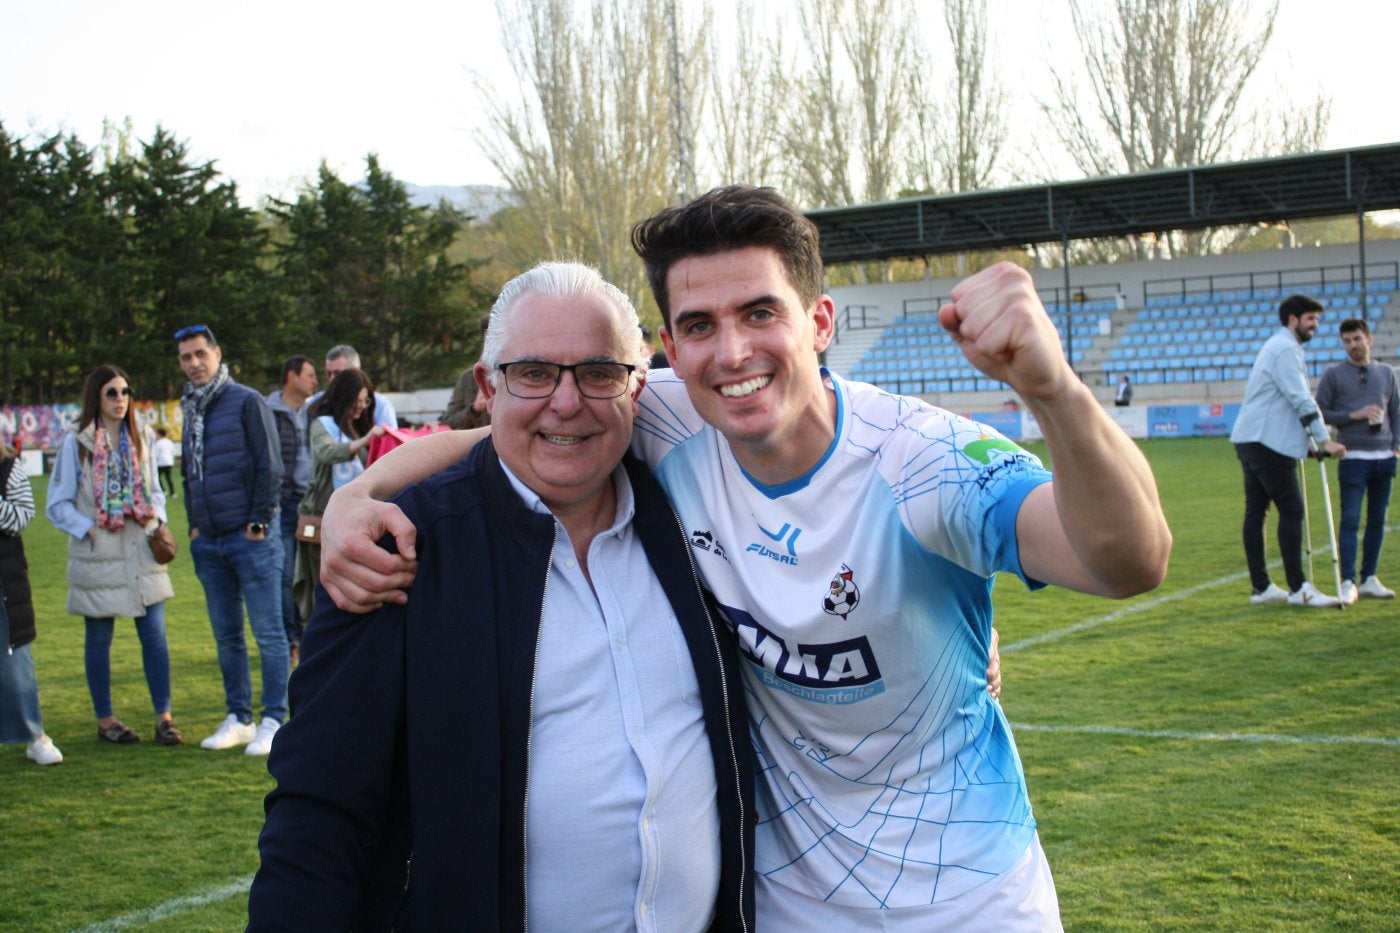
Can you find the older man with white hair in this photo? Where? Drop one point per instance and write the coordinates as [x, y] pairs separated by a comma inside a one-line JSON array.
[[553, 725]]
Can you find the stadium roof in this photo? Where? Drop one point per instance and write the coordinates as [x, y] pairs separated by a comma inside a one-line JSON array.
[[1322, 184]]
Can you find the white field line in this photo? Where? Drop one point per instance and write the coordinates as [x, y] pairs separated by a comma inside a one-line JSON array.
[[1145, 605], [208, 896], [172, 907], [1174, 733], [1214, 736]]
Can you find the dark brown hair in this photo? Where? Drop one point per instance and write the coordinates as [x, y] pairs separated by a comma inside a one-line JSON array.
[[725, 219], [92, 403], [339, 398]]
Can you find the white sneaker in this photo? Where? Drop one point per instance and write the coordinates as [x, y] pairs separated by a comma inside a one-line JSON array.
[[1309, 595], [1375, 589], [1274, 595], [42, 751], [262, 744], [1347, 594], [231, 732]]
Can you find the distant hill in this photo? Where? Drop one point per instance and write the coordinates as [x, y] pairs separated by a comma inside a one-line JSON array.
[[479, 201]]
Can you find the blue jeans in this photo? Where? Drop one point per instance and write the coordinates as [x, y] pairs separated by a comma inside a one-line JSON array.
[[20, 720], [235, 571], [155, 658], [1371, 480], [291, 619]]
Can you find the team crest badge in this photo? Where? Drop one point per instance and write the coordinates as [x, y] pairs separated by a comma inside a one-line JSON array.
[[843, 594]]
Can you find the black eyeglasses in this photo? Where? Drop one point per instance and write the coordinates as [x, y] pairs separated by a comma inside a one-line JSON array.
[[194, 330], [114, 393], [537, 379]]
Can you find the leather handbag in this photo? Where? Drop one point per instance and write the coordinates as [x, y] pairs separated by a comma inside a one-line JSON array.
[[163, 544], [308, 528]]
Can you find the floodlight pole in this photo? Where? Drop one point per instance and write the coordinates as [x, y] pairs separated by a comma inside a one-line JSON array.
[[1361, 247], [1069, 316]]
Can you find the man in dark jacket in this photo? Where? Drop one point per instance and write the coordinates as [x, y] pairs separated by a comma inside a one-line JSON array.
[[233, 477], [552, 725], [288, 406]]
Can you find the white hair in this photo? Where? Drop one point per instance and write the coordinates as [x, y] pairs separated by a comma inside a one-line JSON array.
[[563, 280]]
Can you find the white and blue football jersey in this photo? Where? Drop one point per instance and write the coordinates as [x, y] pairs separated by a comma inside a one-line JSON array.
[[860, 594]]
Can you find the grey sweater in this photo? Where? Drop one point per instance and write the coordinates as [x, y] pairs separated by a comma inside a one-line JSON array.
[[1346, 387]]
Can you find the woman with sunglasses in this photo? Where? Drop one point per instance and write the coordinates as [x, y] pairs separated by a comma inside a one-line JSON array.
[[104, 494], [339, 428]]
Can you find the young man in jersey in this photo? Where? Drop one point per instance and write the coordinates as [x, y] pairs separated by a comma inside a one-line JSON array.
[[852, 538]]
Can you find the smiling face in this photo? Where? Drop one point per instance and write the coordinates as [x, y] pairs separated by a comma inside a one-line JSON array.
[[747, 349], [1305, 325], [565, 446], [198, 359], [114, 409]]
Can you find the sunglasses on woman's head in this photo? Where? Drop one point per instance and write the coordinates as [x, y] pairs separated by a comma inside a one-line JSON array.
[[115, 393]]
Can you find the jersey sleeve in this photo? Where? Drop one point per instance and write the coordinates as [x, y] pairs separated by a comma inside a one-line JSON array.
[[960, 485], [665, 418]]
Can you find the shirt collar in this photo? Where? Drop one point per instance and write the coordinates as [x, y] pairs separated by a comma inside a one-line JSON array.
[[626, 505]]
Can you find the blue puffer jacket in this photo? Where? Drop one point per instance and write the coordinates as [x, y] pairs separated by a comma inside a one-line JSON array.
[[242, 475]]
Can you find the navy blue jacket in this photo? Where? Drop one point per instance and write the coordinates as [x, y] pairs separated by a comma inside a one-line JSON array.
[[401, 776], [242, 476]]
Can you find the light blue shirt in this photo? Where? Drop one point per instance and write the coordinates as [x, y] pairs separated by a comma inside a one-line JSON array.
[[1277, 398], [62, 505], [622, 831]]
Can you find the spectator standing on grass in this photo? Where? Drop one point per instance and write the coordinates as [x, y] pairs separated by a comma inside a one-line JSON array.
[[1360, 398], [342, 426], [289, 405], [165, 461], [104, 495], [342, 357], [1271, 434], [233, 477], [20, 718]]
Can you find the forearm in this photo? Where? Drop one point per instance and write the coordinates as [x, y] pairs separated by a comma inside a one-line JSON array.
[[1105, 498]]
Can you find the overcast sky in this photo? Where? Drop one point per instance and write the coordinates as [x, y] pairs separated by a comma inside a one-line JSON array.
[[269, 89]]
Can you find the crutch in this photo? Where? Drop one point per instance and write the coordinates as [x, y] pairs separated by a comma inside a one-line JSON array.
[[1321, 456], [1307, 520]]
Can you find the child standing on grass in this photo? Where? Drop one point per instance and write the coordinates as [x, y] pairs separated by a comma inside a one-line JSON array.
[[20, 719]]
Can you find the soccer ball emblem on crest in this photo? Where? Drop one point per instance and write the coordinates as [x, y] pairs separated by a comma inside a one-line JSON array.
[[843, 595]]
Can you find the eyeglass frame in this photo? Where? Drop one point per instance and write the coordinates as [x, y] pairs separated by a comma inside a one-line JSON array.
[[572, 368], [113, 393]]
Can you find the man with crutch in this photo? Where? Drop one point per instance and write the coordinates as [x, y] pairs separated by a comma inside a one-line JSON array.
[[1276, 424]]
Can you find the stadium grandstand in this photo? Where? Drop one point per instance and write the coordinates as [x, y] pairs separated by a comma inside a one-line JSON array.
[[1185, 331]]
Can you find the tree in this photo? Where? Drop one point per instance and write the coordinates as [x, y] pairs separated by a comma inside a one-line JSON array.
[[588, 146], [1167, 80], [367, 268], [191, 254], [1167, 83], [959, 133]]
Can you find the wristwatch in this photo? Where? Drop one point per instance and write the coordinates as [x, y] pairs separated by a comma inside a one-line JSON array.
[[256, 528]]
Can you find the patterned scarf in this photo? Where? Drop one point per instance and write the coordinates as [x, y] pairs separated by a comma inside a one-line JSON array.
[[193, 405], [117, 484]]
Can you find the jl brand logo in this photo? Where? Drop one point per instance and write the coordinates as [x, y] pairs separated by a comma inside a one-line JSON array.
[[785, 535]]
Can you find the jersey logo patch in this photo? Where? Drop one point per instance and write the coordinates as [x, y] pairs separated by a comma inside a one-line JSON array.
[[834, 673], [843, 595], [705, 541]]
